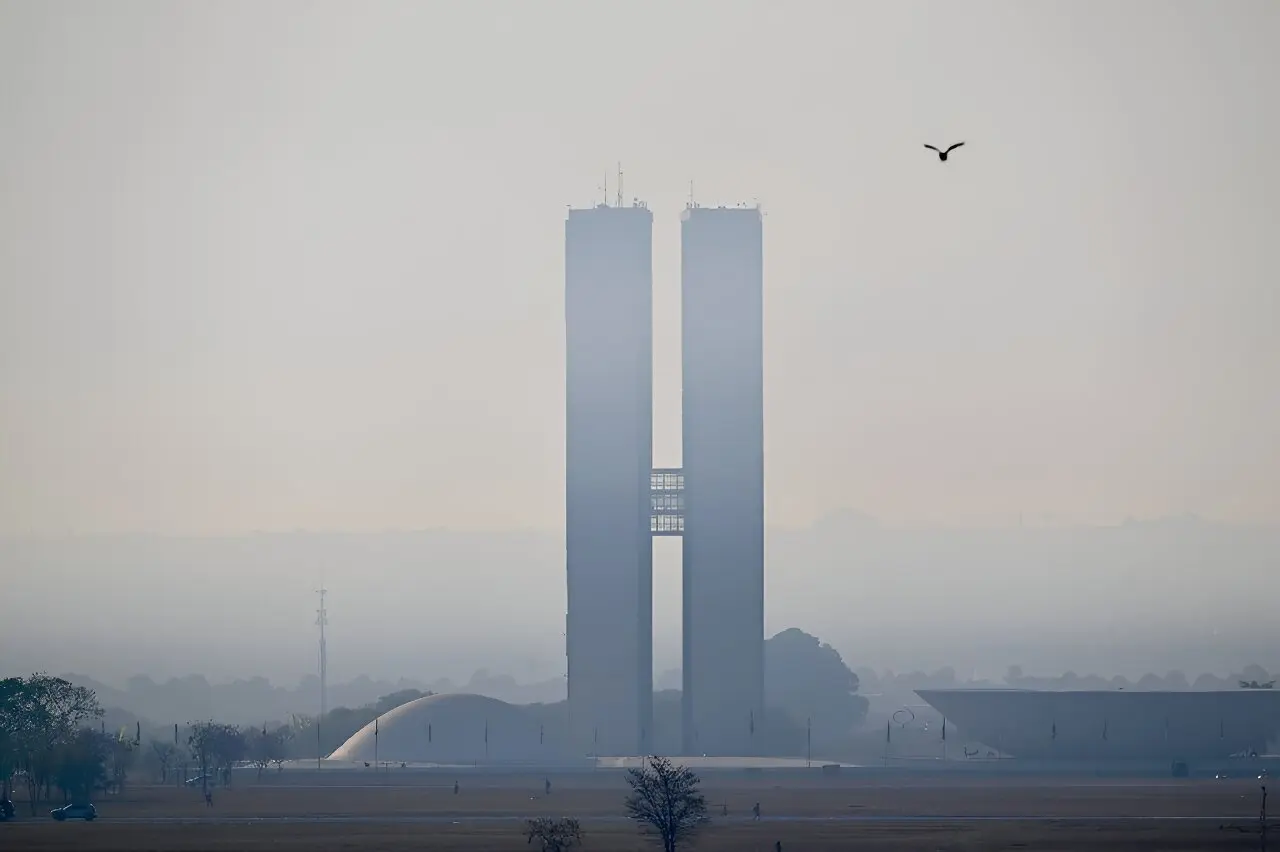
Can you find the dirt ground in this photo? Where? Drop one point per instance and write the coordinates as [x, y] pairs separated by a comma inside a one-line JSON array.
[[389, 813]]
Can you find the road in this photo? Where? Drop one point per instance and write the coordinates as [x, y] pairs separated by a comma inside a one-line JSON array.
[[446, 819]]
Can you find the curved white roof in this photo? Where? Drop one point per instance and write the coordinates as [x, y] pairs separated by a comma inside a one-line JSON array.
[[450, 728]]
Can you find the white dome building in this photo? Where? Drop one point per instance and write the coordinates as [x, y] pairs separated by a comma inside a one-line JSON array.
[[452, 729]]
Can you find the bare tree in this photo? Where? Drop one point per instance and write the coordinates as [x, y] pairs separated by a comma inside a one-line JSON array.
[[166, 753], [555, 835], [665, 801], [124, 753], [216, 747], [285, 734], [266, 747], [200, 742]]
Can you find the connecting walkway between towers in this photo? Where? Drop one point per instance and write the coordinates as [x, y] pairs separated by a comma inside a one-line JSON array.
[[666, 501]]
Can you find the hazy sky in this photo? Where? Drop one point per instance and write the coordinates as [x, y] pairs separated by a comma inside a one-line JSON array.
[[1125, 599], [300, 265]]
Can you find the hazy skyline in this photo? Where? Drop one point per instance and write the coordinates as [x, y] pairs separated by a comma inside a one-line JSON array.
[[279, 266], [1144, 597]]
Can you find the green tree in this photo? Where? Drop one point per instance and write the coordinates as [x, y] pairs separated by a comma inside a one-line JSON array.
[[302, 736], [215, 748], [265, 747], [13, 730], [286, 735], [81, 765], [123, 750], [164, 758], [809, 680], [666, 802], [387, 703], [40, 721]]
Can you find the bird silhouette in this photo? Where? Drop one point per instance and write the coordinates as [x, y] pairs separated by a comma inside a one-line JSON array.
[[942, 155]]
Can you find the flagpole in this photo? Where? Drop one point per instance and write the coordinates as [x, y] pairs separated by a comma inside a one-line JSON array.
[[808, 759], [1166, 740]]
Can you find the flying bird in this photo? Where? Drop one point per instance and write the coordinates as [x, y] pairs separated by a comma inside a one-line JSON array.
[[942, 155]]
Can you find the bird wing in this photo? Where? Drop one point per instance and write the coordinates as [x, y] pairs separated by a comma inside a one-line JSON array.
[[931, 148], [953, 147]]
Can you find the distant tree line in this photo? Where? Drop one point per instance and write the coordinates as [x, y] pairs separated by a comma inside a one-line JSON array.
[[892, 682], [1253, 676], [814, 703], [53, 740], [207, 750], [811, 699], [212, 749], [248, 701]]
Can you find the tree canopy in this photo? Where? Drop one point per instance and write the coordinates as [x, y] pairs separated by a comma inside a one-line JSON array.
[[665, 801], [554, 835], [43, 733], [216, 748], [809, 680], [265, 746]]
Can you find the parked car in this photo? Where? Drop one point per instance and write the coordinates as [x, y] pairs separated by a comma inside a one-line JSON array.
[[88, 813]]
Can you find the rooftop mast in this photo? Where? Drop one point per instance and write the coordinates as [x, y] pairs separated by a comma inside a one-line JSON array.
[[322, 619]]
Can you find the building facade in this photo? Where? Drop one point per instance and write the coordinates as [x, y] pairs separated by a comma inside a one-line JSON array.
[[609, 457], [616, 501], [722, 282], [1097, 726]]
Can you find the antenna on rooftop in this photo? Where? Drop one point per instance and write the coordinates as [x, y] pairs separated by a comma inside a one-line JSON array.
[[691, 193], [618, 202]]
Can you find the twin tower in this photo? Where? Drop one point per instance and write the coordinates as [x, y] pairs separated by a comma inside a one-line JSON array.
[[617, 501]]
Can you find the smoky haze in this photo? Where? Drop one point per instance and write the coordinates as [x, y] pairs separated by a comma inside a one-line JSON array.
[[1130, 599], [271, 268]]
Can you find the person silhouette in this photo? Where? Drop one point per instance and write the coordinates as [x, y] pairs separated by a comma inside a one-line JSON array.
[[546, 786], [755, 811], [455, 788]]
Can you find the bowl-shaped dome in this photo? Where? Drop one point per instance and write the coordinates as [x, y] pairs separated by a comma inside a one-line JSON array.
[[450, 728]]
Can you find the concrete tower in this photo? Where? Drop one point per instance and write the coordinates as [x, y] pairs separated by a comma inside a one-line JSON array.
[[609, 457], [723, 435]]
